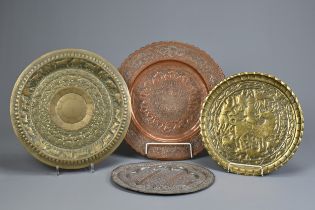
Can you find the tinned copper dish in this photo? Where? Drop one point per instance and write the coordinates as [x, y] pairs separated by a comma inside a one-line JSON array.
[[165, 178]]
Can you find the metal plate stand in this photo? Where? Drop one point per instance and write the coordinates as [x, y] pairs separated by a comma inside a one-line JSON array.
[[91, 167], [240, 164]]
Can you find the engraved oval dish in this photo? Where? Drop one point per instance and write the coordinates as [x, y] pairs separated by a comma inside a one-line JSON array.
[[251, 123], [70, 108], [163, 177], [168, 82]]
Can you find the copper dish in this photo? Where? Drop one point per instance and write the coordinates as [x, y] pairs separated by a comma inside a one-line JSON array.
[[168, 82]]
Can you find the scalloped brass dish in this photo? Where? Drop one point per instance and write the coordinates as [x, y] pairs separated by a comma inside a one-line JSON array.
[[251, 123]]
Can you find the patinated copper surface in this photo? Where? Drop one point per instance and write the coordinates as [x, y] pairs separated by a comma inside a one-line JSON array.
[[163, 177], [168, 82]]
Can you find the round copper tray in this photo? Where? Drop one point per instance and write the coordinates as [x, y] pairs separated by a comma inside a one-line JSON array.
[[168, 82]]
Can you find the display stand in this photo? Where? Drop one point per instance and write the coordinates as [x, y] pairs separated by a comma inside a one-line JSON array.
[[91, 167], [241, 164], [57, 171]]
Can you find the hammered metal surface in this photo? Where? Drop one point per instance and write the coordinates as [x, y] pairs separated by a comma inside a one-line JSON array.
[[251, 123], [168, 82], [163, 177], [70, 108]]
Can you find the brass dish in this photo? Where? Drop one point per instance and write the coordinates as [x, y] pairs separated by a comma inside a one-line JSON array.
[[70, 108], [251, 123]]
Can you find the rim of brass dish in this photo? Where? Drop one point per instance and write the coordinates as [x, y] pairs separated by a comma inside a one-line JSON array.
[[209, 112], [168, 81], [84, 62]]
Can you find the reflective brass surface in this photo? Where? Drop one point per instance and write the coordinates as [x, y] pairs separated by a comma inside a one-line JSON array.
[[70, 108], [251, 123]]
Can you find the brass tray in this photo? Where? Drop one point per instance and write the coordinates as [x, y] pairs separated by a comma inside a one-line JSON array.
[[168, 82], [163, 177], [70, 108], [251, 123]]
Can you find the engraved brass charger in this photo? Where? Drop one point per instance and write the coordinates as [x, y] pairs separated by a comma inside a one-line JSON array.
[[168, 82], [251, 123], [70, 108]]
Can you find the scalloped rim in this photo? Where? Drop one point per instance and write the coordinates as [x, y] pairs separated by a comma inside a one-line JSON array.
[[72, 164], [170, 43], [266, 168]]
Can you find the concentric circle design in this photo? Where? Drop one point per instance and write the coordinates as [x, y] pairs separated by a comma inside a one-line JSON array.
[[251, 123], [168, 82], [70, 108], [171, 100]]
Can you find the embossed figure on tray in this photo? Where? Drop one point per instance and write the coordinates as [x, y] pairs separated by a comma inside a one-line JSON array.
[[251, 119]]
